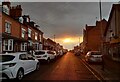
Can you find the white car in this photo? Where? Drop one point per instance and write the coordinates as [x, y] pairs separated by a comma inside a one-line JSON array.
[[93, 56], [16, 65], [44, 55]]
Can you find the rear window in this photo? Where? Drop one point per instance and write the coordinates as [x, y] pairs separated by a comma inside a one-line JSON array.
[[39, 53], [50, 52], [95, 53], [6, 58]]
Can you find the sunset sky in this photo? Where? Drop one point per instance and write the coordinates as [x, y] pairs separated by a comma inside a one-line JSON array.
[[65, 20]]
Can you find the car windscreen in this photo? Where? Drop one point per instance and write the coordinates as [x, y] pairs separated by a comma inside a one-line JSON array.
[[95, 53], [39, 53], [6, 58]]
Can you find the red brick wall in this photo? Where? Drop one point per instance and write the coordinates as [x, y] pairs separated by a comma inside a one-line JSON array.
[[15, 26], [93, 36]]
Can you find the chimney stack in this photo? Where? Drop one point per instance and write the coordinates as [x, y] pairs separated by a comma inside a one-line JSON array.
[[16, 11]]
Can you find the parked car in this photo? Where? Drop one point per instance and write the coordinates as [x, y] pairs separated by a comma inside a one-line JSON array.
[[77, 53], [93, 56], [44, 55], [16, 65], [55, 53]]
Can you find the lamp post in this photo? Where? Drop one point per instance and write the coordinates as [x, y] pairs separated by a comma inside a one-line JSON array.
[[101, 34]]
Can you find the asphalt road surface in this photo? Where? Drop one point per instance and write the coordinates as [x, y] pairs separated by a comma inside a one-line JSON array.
[[68, 67]]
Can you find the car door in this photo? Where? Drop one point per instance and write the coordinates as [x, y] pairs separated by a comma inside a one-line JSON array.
[[32, 62], [24, 62]]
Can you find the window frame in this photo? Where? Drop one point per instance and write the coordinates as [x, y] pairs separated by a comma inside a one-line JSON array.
[[24, 46], [36, 36], [8, 44], [23, 32], [29, 32], [7, 26]]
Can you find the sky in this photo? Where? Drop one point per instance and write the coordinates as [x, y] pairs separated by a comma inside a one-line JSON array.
[[65, 20]]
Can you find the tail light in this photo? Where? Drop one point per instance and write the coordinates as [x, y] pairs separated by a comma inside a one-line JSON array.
[[9, 65]]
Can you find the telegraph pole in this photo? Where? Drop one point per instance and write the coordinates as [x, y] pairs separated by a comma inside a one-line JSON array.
[[101, 35]]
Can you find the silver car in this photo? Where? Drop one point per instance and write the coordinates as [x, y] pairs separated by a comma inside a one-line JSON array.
[[93, 56]]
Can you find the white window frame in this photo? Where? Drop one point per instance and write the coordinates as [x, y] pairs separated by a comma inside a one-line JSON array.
[[6, 9], [40, 47], [23, 33], [9, 43], [21, 19], [29, 32], [36, 35], [7, 26], [36, 46], [23, 46]]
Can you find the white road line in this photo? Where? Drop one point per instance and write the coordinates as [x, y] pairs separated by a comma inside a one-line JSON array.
[[91, 71]]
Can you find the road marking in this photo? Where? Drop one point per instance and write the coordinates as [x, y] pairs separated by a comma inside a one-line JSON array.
[[91, 71]]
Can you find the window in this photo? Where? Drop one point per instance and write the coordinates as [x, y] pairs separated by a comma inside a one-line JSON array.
[[50, 52], [40, 38], [6, 58], [36, 46], [36, 36], [29, 32], [8, 45], [5, 9], [21, 19], [23, 46], [30, 43], [8, 27], [39, 52], [23, 57], [40, 46], [23, 33]]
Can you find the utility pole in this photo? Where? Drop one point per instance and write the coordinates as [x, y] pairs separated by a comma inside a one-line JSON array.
[[102, 38]]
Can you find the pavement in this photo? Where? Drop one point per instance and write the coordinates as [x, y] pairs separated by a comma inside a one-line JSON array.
[[106, 74]]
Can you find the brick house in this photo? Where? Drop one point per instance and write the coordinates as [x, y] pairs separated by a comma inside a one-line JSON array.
[[112, 39], [18, 31], [112, 34], [49, 44], [92, 36]]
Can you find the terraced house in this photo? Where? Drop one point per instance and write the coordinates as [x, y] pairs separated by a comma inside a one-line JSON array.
[[18, 32], [112, 33]]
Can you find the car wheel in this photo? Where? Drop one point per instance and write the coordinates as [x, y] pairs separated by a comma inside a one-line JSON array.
[[20, 74], [37, 66]]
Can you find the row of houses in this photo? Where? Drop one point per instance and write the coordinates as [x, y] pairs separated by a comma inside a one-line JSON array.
[[19, 33], [104, 37]]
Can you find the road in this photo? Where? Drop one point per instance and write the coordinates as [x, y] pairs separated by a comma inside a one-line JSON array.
[[68, 67]]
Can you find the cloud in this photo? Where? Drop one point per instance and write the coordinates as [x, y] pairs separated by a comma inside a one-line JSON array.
[[64, 19]]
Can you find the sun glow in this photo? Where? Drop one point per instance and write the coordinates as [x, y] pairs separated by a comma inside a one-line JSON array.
[[67, 40]]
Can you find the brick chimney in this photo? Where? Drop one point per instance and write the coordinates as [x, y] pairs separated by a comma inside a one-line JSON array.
[[16, 11], [26, 18]]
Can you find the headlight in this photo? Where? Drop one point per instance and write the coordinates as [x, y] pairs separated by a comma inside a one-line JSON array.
[[4, 66], [45, 56]]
